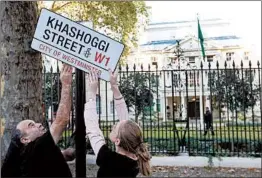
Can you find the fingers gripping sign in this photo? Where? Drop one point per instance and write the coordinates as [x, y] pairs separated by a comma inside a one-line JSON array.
[[92, 86], [66, 75], [113, 77]]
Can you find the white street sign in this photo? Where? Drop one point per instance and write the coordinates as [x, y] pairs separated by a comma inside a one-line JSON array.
[[76, 44]]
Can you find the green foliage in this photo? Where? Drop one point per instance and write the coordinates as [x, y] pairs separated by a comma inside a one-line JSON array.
[[234, 88], [120, 20], [137, 91], [241, 117]]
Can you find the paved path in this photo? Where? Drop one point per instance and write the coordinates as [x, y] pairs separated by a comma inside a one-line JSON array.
[[198, 161]]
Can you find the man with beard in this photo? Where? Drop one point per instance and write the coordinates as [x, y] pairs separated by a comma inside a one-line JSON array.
[[33, 151]]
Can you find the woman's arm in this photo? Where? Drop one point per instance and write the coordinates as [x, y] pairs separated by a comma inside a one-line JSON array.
[[93, 131], [121, 107]]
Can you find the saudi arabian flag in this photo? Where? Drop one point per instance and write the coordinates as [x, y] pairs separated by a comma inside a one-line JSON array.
[[201, 39]]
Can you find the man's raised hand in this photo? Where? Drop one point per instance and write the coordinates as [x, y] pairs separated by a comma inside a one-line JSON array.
[[66, 75]]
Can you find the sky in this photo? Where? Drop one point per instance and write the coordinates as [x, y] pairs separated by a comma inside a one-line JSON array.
[[245, 16]]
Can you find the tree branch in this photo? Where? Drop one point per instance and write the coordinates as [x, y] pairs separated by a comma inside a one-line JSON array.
[[60, 7], [53, 5]]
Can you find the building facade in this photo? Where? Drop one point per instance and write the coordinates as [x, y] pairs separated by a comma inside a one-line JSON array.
[[158, 46], [156, 49]]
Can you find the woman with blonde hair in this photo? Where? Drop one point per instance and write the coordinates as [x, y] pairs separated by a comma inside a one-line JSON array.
[[131, 156]]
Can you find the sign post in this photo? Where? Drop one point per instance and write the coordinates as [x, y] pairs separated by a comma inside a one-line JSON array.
[[80, 141]]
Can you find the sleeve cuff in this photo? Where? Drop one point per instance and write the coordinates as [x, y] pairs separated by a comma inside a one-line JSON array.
[[117, 102], [90, 105]]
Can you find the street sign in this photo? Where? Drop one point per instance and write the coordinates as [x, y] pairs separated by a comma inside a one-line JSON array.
[[76, 44]]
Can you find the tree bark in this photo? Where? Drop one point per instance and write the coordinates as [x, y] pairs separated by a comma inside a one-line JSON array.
[[21, 67]]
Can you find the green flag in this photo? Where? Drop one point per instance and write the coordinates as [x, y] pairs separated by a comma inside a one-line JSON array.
[[201, 39]]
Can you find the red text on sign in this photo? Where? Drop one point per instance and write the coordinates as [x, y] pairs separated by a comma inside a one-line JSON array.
[[45, 48], [100, 58], [78, 63]]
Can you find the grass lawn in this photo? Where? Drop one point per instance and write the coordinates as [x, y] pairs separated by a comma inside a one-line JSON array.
[[231, 133], [249, 133], [164, 140]]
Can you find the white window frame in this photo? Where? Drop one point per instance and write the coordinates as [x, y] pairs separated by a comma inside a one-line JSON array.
[[210, 57], [246, 55], [229, 56], [192, 57]]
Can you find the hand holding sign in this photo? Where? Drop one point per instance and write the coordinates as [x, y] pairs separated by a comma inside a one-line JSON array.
[[113, 77], [92, 85], [114, 85], [66, 75]]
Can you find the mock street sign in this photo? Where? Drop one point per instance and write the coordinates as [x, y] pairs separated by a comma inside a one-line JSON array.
[[76, 44]]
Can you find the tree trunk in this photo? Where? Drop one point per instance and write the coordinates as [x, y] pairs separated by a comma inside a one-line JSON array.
[[21, 67]]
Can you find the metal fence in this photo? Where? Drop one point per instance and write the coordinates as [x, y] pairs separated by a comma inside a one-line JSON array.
[[170, 106]]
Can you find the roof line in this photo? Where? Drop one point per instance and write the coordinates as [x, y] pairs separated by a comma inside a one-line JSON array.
[[173, 41], [184, 21]]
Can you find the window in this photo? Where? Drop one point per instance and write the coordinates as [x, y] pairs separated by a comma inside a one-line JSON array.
[[191, 60], [98, 105], [229, 56], [194, 79], [175, 80], [246, 54], [154, 80], [138, 62], [154, 61], [211, 78], [210, 58], [172, 59], [158, 106], [112, 107], [191, 44], [191, 79]]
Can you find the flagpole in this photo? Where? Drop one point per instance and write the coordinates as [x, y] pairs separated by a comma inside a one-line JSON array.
[[201, 86]]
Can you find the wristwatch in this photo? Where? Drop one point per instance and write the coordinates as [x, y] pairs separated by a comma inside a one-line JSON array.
[[121, 97]]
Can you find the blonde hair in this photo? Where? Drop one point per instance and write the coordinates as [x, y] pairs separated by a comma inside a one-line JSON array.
[[131, 140]]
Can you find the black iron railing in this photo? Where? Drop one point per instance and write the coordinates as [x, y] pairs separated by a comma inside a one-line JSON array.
[[170, 106]]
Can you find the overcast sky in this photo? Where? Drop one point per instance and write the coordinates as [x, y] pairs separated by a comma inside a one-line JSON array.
[[244, 15]]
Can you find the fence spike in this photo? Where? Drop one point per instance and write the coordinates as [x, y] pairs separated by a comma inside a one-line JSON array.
[[57, 67], [119, 68]]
